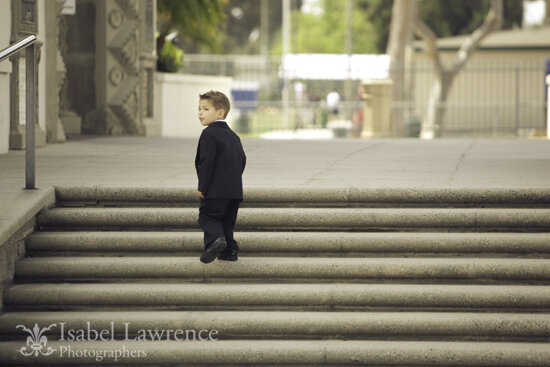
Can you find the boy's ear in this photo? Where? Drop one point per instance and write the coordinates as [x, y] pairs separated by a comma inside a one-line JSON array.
[[221, 113]]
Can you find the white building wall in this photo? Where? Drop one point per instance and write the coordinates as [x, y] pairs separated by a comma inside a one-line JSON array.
[[5, 70], [177, 102]]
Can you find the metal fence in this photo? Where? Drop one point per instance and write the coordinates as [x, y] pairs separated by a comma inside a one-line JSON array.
[[486, 99], [496, 99]]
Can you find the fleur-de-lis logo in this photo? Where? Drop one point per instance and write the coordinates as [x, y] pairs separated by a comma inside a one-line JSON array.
[[36, 341]]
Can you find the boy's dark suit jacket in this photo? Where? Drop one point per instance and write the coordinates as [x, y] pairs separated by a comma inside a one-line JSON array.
[[220, 162]]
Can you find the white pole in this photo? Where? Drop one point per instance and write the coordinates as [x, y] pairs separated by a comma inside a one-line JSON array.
[[349, 50], [264, 26], [286, 51], [548, 106]]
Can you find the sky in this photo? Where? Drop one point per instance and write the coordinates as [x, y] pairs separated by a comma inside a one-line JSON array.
[[533, 12]]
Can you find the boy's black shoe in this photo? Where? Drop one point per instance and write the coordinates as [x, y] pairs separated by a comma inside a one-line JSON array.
[[213, 250], [229, 255]]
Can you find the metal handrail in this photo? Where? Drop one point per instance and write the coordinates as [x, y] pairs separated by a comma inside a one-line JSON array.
[[30, 101], [16, 47]]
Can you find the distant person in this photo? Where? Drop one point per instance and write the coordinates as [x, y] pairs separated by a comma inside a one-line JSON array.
[[220, 163], [359, 113], [333, 100]]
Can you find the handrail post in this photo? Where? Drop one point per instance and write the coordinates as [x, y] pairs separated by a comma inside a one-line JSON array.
[[30, 101], [30, 107], [548, 106]]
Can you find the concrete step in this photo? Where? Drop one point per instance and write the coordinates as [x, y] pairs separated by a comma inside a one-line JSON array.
[[290, 324], [315, 266], [293, 269], [474, 219], [276, 296], [279, 352], [359, 244], [312, 197]]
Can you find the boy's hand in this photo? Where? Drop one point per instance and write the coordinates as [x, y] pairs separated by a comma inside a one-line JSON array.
[[201, 195]]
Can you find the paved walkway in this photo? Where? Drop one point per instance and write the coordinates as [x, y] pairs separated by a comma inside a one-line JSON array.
[[402, 163], [387, 163]]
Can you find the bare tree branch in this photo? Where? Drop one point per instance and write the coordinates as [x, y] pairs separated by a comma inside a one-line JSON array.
[[430, 39], [402, 18], [444, 75], [492, 22], [400, 27]]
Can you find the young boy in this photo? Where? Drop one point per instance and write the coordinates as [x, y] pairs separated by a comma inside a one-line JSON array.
[[220, 163]]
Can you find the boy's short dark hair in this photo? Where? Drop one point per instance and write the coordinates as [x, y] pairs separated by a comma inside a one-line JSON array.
[[218, 99]]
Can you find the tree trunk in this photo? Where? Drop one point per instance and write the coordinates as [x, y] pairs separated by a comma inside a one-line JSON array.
[[433, 122], [437, 104], [400, 37]]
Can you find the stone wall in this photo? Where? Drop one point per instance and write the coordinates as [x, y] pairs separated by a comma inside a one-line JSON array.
[[11, 251], [17, 221]]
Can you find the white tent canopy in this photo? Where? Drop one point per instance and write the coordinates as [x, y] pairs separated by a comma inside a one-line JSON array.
[[335, 67]]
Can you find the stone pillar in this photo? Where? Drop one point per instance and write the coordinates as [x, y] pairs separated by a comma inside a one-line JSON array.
[[377, 97], [24, 23], [148, 65], [54, 77], [110, 72], [70, 120], [548, 106], [117, 70]]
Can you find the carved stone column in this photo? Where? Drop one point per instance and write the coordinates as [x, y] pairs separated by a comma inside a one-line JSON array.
[[54, 130], [70, 120], [117, 79], [148, 64], [24, 23]]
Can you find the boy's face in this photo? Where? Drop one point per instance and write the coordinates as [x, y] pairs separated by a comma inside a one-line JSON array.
[[208, 114]]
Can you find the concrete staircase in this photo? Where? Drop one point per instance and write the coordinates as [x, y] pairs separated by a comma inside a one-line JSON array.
[[325, 277]]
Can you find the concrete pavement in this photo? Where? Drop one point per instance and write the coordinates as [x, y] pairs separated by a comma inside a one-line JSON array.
[[274, 164], [396, 163], [450, 219]]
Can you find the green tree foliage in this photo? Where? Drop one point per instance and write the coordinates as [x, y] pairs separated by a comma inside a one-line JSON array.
[[378, 13], [326, 32], [452, 18], [445, 17], [196, 21], [242, 25], [170, 58]]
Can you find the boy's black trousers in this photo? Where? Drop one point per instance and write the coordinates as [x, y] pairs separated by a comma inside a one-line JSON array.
[[217, 218]]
